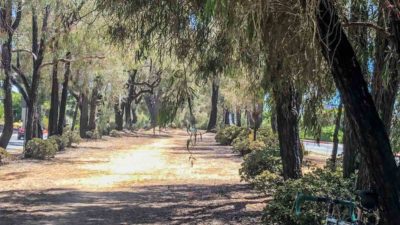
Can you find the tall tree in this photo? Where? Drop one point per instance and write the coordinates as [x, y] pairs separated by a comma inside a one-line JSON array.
[[64, 94], [54, 102], [8, 25], [38, 49], [212, 122], [363, 116]]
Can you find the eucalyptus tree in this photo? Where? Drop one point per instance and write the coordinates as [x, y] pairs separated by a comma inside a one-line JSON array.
[[8, 24], [256, 36], [67, 15], [141, 84], [38, 49], [363, 116], [212, 60]]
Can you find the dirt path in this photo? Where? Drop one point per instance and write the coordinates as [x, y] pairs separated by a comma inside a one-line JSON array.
[[130, 180]]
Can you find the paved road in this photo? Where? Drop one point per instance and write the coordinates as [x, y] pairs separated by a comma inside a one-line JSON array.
[[321, 148], [14, 143]]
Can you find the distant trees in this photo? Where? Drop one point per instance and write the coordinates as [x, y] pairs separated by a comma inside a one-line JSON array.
[[137, 88]]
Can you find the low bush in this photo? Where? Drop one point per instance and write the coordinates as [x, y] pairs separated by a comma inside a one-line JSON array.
[[40, 149], [3, 154], [71, 137], [244, 146], [270, 139], [320, 182], [259, 161], [115, 133], [93, 134], [226, 135], [244, 143], [61, 141]]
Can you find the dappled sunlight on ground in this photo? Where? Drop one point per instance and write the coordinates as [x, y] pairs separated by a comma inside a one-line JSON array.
[[145, 179]]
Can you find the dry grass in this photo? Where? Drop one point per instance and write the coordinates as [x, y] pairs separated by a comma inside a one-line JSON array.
[[130, 180]]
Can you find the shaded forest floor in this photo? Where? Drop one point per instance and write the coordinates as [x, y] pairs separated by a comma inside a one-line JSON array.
[[140, 179]]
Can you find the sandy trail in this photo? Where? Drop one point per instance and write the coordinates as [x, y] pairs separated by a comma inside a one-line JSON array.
[[130, 180]]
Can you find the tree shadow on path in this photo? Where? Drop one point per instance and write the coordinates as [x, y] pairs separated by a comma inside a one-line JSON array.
[[160, 204]]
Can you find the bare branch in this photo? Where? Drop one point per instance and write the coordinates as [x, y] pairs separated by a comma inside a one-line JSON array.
[[23, 78], [20, 89], [370, 25], [65, 60], [25, 50]]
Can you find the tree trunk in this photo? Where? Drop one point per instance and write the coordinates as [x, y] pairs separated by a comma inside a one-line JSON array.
[[83, 121], [238, 117], [39, 49], [350, 148], [38, 129], [152, 103], [274, 125], [336, 136], [212, 123], [360, 109], [93, 108], [119, 115], [74, 118], [134, 116], [128, 117], [287, 110], [248, 119], [8, 26], [7, 102], [54, 102], [226, 117], [64, 95]]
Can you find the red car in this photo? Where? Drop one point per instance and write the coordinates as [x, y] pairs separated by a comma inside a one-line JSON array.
[[21, 133]]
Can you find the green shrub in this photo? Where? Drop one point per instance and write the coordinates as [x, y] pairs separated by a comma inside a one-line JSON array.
[[245, 146], [321, 182], [3, 154], [93, 134], [270, 139], [61, 141], [256, 162], [115, 133], [71, 137], [40, 149], [226, 135], [244, 143], [267, 182]]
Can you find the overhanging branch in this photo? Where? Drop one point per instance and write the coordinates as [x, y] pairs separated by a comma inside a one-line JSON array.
[[65, 60], [368, 24]]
